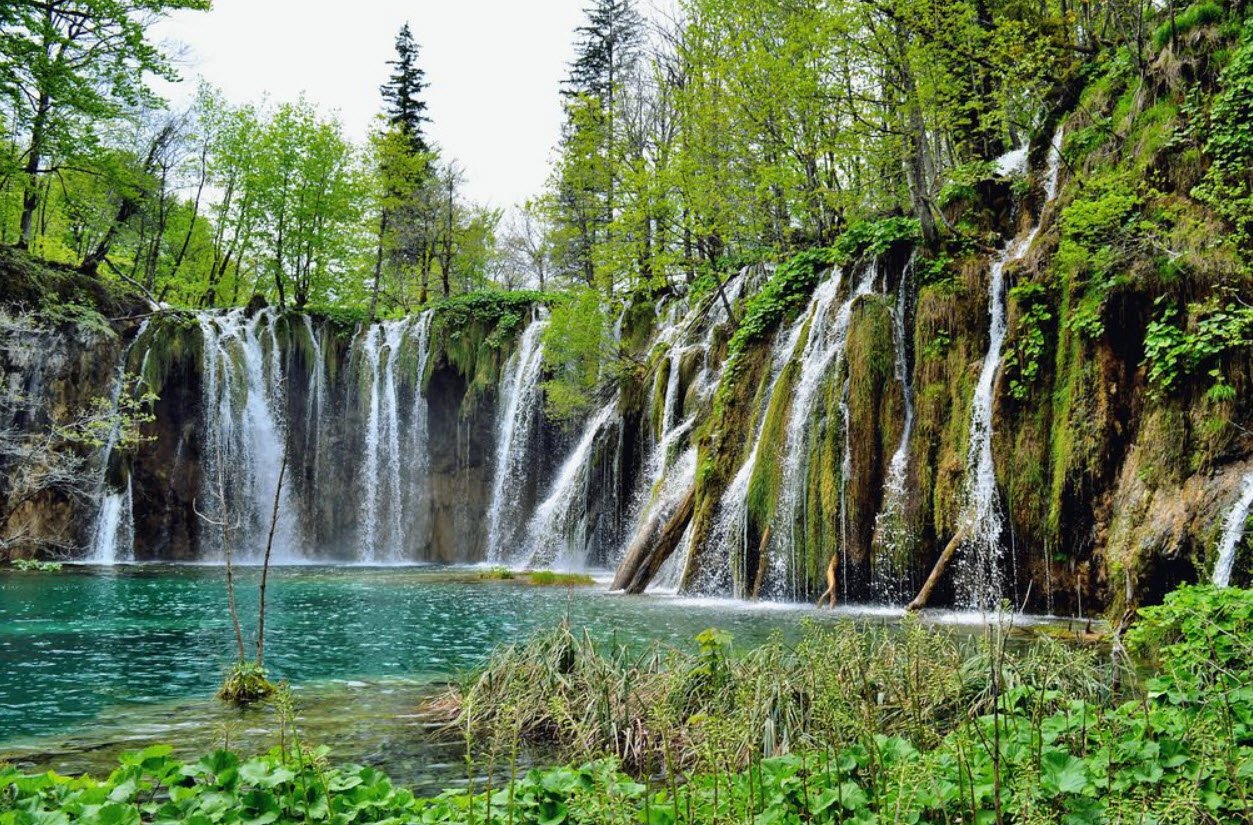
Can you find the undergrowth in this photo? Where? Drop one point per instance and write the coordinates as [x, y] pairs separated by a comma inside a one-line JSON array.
[[845, 726]]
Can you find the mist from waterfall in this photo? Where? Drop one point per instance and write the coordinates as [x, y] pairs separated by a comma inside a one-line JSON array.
[[1233, 532], [980, 576]]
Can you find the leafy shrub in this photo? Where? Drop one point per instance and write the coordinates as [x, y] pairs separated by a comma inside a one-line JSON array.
[[1030, 341], [874, 237], [1175, 350], [784, 295], [36, 566]]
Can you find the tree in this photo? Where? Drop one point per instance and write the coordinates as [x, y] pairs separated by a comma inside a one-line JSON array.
[[406, 110], [607, 49], [71, 64], [527, 245]]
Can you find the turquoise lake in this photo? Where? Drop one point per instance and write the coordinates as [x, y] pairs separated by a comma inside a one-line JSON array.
[[100, 660]]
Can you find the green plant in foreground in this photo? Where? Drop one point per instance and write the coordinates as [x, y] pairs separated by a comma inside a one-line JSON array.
[[857, 728]]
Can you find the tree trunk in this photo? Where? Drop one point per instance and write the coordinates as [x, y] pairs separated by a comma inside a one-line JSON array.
[[378, 265], [30, 193], [654, 544], [265, 565], [924, 595]]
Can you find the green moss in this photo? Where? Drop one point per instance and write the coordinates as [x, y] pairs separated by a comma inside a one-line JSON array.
[[475, 333], [1193, 17], [547, 578], [171, 341]]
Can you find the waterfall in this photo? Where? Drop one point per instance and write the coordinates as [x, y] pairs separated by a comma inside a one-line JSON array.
[[113, 537], [981, 581], [889, 564], [1233, 532], [556, 534], [520, 405], [392, 452], [729, 532], [245, 433], [822, 357]]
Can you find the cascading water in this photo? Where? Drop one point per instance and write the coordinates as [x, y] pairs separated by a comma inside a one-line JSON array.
[[113, 538], [556, 535], [245, 433], [980, 580], [889, 565], [385, 533], [520, 407], [1233, 532], [822, 357], [729, 534]]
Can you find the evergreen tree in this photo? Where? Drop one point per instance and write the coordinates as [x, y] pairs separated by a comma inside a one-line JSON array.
[[406, 110], [609, 43], [605, 54]]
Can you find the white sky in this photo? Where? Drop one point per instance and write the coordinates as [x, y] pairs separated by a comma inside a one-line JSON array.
[[494, 66]]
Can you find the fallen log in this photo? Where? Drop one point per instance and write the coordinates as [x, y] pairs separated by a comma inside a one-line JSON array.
[[937, 572], [654, 545]]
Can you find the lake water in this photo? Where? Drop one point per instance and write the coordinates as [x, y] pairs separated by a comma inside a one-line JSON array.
[[96, 661]]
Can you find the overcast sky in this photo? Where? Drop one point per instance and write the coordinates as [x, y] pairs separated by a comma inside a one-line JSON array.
[[494, 67]]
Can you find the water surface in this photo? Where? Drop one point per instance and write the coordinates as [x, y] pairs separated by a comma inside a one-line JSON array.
[[98, 660]]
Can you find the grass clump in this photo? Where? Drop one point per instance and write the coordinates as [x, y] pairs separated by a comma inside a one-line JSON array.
[[498, 574], [36, 566], [246, 684], [548, 578]]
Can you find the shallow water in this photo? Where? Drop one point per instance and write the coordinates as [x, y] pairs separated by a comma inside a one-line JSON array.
[[101, 660]]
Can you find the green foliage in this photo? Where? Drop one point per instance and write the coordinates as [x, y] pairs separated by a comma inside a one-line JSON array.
[[868, 239], [960, 185], [549, 578], [1030, 340], [782, 298], [36, 566], [577, 354], [246, 684], [1193, 17], [500, 574], [1227, 186], [1176, 349]]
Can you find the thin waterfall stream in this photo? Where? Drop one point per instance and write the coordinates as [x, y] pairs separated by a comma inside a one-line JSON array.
[[822, 358], [1233, 532], [981, 579], [113, 537]]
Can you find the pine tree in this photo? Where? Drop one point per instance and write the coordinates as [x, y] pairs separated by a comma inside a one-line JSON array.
[[406, 110], [608, 45], [605, 55]]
